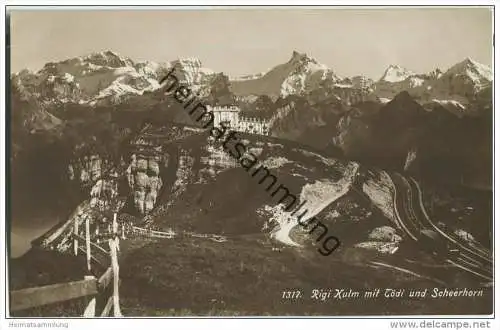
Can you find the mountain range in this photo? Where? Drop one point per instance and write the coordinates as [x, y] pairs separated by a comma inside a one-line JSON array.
[[106, 77]]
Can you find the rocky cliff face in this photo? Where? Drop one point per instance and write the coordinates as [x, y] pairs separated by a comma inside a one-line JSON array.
[[308, 122], [191, 72], [154, 158], [380, 189], [87, 170], [144, 180], [443, 141]]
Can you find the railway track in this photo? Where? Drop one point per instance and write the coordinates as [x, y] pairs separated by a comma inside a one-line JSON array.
[[413, 219]]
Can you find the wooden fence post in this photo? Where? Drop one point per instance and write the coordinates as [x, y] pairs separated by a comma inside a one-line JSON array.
[[75, 230], [90, 309], [115, 232], [114, 264], [115, 224], [107, 308], [87, 240]]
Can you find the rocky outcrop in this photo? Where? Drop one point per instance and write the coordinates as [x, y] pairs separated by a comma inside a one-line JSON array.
[[300, 119], [381, 247], [144, 181], [465, 235], [379, 188], [104, 193], [152, 152], [87, 170], [382, 240], [410, 159], [183, 173], [384, 234], [216, 161], [26, 118]]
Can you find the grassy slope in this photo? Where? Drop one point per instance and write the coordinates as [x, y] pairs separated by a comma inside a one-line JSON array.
[[245, 277]]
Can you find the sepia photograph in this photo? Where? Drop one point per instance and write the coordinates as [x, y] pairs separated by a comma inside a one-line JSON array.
[[249, 162]]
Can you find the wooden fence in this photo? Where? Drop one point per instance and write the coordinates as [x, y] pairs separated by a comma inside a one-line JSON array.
[[89, 286], [152, 233]]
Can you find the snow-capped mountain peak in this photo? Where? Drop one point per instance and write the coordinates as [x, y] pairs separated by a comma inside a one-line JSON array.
[[468, 76], [306, 74], [108, 58], [298, 57], [90, 79], [473, 70], [192, 63], [435, 74], [396, 73], [303, 60], [299, 75], [192, 71], [150, 68]]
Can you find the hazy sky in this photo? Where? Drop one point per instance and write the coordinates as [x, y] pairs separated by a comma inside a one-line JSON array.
[[243, 41]]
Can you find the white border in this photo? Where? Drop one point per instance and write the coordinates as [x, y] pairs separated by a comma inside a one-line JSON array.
[[246, 323]]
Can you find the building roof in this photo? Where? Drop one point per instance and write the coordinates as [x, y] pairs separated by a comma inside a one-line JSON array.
[[224, 108]]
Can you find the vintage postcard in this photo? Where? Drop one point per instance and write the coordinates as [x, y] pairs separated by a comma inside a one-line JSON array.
[[250, 161]]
